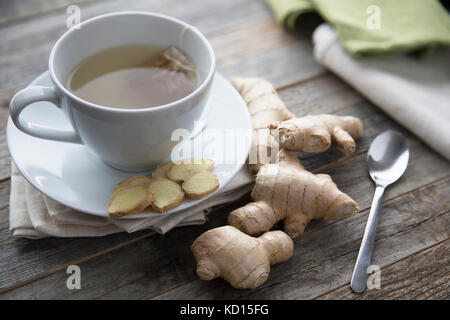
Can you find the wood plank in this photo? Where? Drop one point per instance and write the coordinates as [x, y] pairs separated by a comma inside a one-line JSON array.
[[4, 197], [11, 10], [5, 161], [423, 275], [282, 67], [325, 94], [247, 40], [23, 260], [5, 97], [158, 264]]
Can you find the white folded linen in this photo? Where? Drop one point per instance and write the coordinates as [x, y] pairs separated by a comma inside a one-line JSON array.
[[33, 215], [415, 92]]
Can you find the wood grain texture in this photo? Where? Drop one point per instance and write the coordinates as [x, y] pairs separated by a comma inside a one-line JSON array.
[[5, 97], [156, 263], [51, 254], [141, 275], [423, 275], [247, 40], [12, 10], [282, 66], [413, 230], [23, 260], [4, 198], [349, 174], [324, 259], [298, 96], [5, 161]]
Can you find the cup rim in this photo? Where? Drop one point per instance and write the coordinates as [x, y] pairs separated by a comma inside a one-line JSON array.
[[188, 97]]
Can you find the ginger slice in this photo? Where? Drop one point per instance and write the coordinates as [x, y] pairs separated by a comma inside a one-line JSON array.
[[183, 169], [166, 194], [200, 185], [133, 181], [129, 199], [161, 170]]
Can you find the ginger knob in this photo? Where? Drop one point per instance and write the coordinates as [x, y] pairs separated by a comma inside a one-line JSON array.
[[286, 192], [315, 133], [241, 260]]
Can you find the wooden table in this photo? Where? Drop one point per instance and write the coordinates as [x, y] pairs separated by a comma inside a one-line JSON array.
[[412, 244]]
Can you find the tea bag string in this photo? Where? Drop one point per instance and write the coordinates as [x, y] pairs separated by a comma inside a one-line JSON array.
[[184, 64], [185, 29]]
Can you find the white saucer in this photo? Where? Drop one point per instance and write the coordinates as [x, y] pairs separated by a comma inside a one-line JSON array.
[[74, 176]]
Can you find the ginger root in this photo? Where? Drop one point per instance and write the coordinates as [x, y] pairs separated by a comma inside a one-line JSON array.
[[283, 191], [265, 107], [242, 260], [286, 192], [315, 133], [276, 127]]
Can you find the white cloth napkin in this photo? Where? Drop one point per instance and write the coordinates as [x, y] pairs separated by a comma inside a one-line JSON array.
[[415, 92], [33, 215]]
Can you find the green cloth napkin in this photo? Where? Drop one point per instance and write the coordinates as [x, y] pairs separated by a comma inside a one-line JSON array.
[[405, 25]]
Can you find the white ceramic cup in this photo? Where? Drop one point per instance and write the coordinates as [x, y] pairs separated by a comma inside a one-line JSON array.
[[128, 139]]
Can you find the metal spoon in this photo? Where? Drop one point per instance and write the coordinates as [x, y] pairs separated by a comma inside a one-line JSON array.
[[387, 159]]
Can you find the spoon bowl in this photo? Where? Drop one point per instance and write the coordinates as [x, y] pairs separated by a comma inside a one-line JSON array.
[[387, 158]]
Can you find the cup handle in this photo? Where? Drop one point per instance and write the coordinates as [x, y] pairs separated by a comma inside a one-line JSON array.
[[29, 95]]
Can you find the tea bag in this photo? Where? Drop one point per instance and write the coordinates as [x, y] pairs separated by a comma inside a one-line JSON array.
[[174, 60]]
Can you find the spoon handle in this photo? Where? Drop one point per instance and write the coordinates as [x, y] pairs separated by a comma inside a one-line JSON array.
[[359, 277]]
